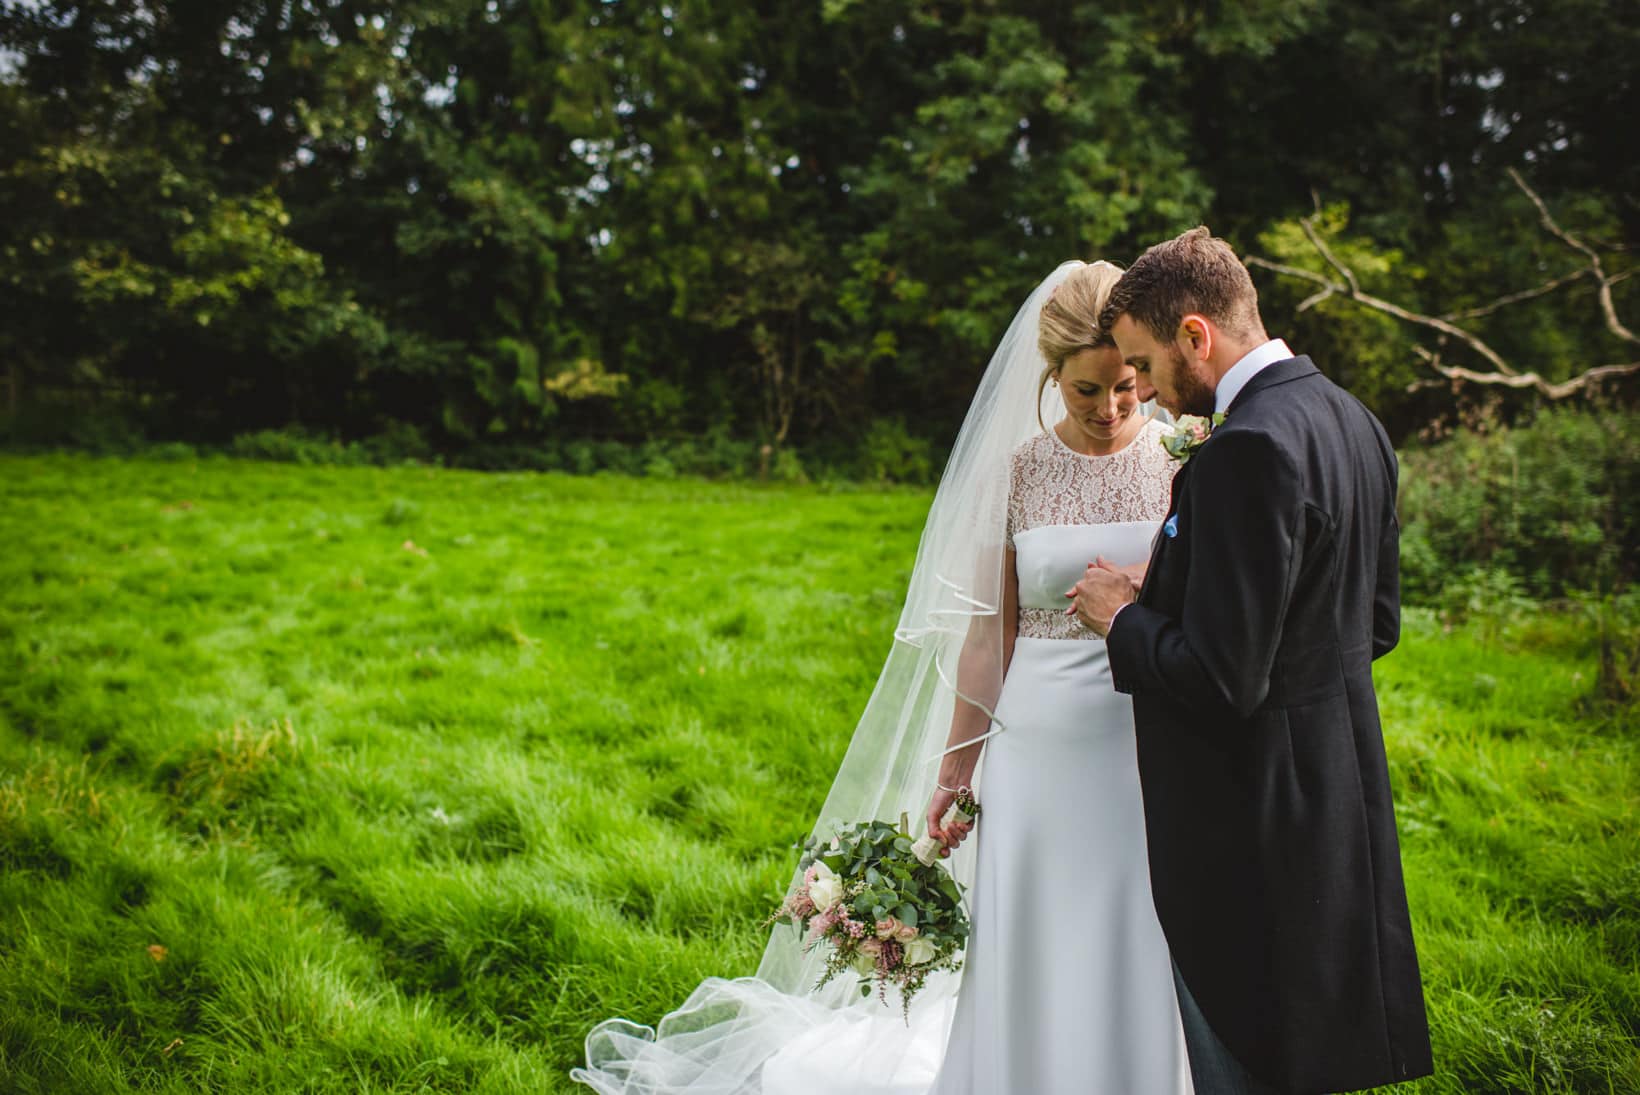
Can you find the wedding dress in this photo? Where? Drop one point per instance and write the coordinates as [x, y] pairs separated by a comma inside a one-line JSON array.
[[1068, 986]]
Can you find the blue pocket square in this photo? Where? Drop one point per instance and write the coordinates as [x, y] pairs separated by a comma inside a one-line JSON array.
[[1171, 528]]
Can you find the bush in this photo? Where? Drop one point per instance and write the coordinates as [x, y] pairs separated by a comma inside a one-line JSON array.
[[50, 423], [890, 454], [656, 463], [1545, 503], [294, 445], [397, 443], [714, 455], [580, 457], [171, 452], [510, 456], [788, 467]]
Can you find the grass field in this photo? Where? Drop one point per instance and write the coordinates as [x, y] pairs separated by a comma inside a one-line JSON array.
[[345, 780]]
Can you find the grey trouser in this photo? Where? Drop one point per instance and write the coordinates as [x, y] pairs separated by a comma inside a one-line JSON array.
[[1212, 1068]]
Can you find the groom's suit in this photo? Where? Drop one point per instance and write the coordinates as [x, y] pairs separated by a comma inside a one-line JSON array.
[[1273, 852]]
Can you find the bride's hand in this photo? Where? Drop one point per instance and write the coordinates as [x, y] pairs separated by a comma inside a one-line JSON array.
[[950, 835]]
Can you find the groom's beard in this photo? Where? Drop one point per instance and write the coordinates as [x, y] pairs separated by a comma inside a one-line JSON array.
[[1192, 393]]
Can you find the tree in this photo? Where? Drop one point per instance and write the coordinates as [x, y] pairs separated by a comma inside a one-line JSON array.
[[1455, 330]]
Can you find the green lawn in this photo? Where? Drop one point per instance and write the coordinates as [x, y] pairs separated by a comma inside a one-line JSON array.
[[318, 779]]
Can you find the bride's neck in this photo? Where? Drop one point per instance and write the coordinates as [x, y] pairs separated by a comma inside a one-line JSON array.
[[1078, 441]]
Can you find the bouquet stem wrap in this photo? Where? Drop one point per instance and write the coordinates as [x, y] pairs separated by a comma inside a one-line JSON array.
[[964, 810]]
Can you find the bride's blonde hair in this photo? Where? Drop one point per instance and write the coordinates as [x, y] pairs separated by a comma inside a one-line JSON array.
[[1069, 322]]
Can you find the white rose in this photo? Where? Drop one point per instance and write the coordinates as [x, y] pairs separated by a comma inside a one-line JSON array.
[[919, 952], [826, 889], [865, 965]]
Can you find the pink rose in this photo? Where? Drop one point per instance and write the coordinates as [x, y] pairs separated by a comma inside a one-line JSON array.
[[905, 933], [872, 947], [887, 928]]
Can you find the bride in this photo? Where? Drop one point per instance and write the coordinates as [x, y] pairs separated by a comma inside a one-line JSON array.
[[1067, 985]]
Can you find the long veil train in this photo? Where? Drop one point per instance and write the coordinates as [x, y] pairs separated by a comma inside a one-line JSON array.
[[774, 1034]]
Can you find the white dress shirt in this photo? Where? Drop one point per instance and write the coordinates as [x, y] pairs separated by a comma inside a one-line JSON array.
[[1259, 357]]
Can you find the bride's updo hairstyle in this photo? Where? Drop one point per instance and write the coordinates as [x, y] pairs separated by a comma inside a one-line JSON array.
[[1069, 322]]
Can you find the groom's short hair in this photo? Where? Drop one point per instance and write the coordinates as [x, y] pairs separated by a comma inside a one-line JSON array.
[[1189, 274]]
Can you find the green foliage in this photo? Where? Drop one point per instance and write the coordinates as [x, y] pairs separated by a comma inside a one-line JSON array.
[[890, 454], [1542, 508], [288, 805], [293, 446], [1466, 269], [1368, 352], [524, 223], [529, 222]]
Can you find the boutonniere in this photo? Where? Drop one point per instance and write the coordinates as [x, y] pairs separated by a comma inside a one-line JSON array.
[[1189, 433]]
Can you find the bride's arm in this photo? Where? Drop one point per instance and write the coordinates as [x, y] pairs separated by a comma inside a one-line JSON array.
[[976, 667]]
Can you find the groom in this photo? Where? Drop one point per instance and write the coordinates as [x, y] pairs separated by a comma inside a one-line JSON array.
[[1248, 653]]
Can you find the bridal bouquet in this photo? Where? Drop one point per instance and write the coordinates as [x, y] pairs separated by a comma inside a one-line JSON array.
[[888, 910]]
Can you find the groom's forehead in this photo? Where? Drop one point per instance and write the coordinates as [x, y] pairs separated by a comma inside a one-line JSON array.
[[1132, 339]]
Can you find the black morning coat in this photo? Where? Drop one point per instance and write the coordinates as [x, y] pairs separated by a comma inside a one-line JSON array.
[[1273, 853]]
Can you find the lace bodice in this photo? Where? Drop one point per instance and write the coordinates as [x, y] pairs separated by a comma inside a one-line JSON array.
[[1051, 485]]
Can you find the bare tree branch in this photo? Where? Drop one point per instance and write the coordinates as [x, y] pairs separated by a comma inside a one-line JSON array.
[[1607, 307], [1515, 298], [1314, 298], [1308, 224], [1378, 304], [1549, 388], [1447, 326]]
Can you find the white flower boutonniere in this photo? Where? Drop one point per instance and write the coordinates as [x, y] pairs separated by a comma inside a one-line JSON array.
[[1189, 433]]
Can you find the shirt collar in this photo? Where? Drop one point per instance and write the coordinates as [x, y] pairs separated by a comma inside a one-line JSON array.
[[1259, 357]]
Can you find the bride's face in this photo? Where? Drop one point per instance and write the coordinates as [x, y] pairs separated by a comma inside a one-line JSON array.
[[1101, 393]]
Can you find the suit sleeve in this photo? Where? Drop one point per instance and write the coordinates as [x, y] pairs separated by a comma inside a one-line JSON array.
[[1386, 596], [1245, 525]]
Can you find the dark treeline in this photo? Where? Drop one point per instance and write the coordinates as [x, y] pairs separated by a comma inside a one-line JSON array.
[[800, 223]]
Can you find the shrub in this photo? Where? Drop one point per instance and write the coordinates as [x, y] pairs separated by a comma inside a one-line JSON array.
[[890, 454], [510, 456], [294, 445], [48, 423], [616, 457], [788, 467], [397, 443], [580, 457], [171, 452], [1545, 503], [656, 464]]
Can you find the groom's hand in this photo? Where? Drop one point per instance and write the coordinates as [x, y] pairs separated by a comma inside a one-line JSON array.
[[1096, 599], [1134, 573]]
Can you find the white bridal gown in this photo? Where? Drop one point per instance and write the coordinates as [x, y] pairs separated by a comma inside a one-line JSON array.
[[1067, 987]]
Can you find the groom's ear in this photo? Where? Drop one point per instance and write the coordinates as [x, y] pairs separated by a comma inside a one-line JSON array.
[[1196, 333]]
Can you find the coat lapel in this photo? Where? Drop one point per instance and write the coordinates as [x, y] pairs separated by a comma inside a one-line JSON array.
[[1161, 538]]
